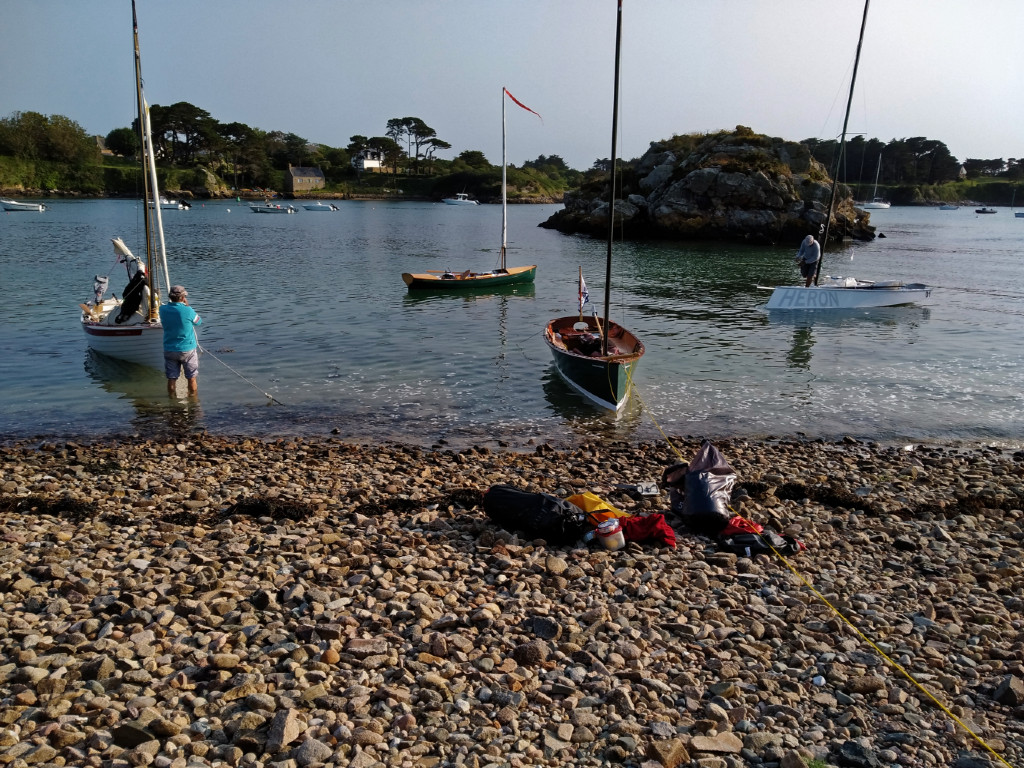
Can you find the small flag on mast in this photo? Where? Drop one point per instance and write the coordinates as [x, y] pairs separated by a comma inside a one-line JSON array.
[[517, 101], [584, 293]]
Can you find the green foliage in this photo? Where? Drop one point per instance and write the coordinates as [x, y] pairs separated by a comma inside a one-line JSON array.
[[54, 138], [123, 142]]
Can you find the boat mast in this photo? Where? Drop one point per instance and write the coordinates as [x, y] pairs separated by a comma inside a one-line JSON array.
[[504, 192], [842, 142], [878, 172], [146, 190], [611, 193]]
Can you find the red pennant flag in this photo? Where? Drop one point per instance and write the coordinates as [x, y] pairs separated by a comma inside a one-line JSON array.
[[517, 101]]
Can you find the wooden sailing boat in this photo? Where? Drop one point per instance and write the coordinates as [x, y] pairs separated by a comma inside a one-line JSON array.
[[129, 328], [845, 292], [503, 275], [597, 358]]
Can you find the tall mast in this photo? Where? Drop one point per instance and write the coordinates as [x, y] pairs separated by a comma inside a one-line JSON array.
[[504, 193], [146, 185], [842, 141], [611, 193]]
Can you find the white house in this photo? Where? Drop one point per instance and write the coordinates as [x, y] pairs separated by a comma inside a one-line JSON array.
[[368, 160]]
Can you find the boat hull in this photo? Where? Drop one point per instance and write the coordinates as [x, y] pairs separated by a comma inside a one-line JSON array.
[[272, 209], [605, 381], [449, 281], [14, 205], [142, 344], [836, 297], [875, 206]]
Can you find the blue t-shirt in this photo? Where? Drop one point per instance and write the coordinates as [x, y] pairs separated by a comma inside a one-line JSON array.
[[179, 321]]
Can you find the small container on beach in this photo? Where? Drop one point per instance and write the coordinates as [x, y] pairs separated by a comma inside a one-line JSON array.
[[610, 535]]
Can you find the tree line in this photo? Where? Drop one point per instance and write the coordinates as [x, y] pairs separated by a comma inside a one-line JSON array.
[[906, 162], [185, 136]]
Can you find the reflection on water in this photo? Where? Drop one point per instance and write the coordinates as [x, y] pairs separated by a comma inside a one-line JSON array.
[[154, 413], [906, 319]]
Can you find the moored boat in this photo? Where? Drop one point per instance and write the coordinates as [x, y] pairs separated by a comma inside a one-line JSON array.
[[985, 210], [596, 358], [271, 208], [949, 207], [847, 293], [19, 205], [129, 328], [319, 205], [844, 292], [503, 275], [461, 198]]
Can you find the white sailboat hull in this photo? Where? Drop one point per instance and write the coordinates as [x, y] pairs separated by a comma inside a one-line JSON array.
[[142, 344], [874, 206], [858, 296]]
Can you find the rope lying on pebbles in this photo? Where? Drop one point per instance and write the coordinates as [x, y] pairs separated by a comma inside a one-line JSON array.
[[307, 602]]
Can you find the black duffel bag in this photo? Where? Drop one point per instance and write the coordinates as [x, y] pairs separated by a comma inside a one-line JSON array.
[[538, 515]]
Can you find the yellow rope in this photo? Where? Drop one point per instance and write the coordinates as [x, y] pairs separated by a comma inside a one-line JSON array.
[[821, 597]]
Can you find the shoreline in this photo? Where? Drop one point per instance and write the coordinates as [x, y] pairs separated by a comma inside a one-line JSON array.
[[241, 601]]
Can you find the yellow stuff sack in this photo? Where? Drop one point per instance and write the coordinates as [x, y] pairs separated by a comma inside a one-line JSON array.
[[598, 510]]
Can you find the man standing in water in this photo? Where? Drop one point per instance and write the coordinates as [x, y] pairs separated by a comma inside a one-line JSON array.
[[180, 343], [807, 257]]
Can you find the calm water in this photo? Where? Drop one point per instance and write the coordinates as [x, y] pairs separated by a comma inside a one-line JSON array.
[[311, 309]]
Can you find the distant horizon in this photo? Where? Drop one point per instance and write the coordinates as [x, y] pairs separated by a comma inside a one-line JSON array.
[[341, 69]]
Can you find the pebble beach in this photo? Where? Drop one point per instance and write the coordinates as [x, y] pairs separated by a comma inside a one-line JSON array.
[[287, 603]]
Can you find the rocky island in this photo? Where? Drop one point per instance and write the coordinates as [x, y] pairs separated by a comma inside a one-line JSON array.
[[737, 185]]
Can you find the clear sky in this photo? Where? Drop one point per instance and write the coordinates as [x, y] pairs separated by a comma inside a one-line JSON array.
[[951, 70]]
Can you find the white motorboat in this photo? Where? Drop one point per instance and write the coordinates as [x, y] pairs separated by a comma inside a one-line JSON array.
[[828, 293], [319, 205], [172, 205], [17, 205], [461, 198], [272, 208], [949, 207]]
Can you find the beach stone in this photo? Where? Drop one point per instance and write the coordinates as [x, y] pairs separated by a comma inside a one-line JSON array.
[[722, 743], [670, 753], [1010, 691]]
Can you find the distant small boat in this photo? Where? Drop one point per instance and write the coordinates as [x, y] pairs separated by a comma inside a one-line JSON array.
[[271, 208], [319, 205], [14, 205], [461, 198], [877, 203], [172, 205], [984, 210], [1019, 214], [949, 207]]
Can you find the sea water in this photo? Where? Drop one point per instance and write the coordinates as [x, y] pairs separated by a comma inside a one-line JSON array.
[[309, 330]]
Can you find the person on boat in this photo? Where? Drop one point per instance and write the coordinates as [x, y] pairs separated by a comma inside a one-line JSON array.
[[180, 343], [807, 257]]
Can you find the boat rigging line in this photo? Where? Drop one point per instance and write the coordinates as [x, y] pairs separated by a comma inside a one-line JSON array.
[[247, 381]]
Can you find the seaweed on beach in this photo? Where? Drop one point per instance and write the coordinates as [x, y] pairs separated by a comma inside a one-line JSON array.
[[184, 518], [276, 509], [464, 498], [64, 507], [829, 495]]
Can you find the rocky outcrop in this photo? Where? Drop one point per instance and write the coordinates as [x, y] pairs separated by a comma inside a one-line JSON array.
[[728, 186]]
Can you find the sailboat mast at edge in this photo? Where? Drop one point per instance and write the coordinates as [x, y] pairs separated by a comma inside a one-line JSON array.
[[842, 142], [611, 193]]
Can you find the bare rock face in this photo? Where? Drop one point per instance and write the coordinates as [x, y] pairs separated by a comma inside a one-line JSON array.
[[726, 186]]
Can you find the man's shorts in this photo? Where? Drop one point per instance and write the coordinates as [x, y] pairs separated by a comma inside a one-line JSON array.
[[175, 361], [807, 270]]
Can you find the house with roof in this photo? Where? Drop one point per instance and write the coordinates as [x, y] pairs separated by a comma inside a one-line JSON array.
[[299, 179], [368, 160]]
